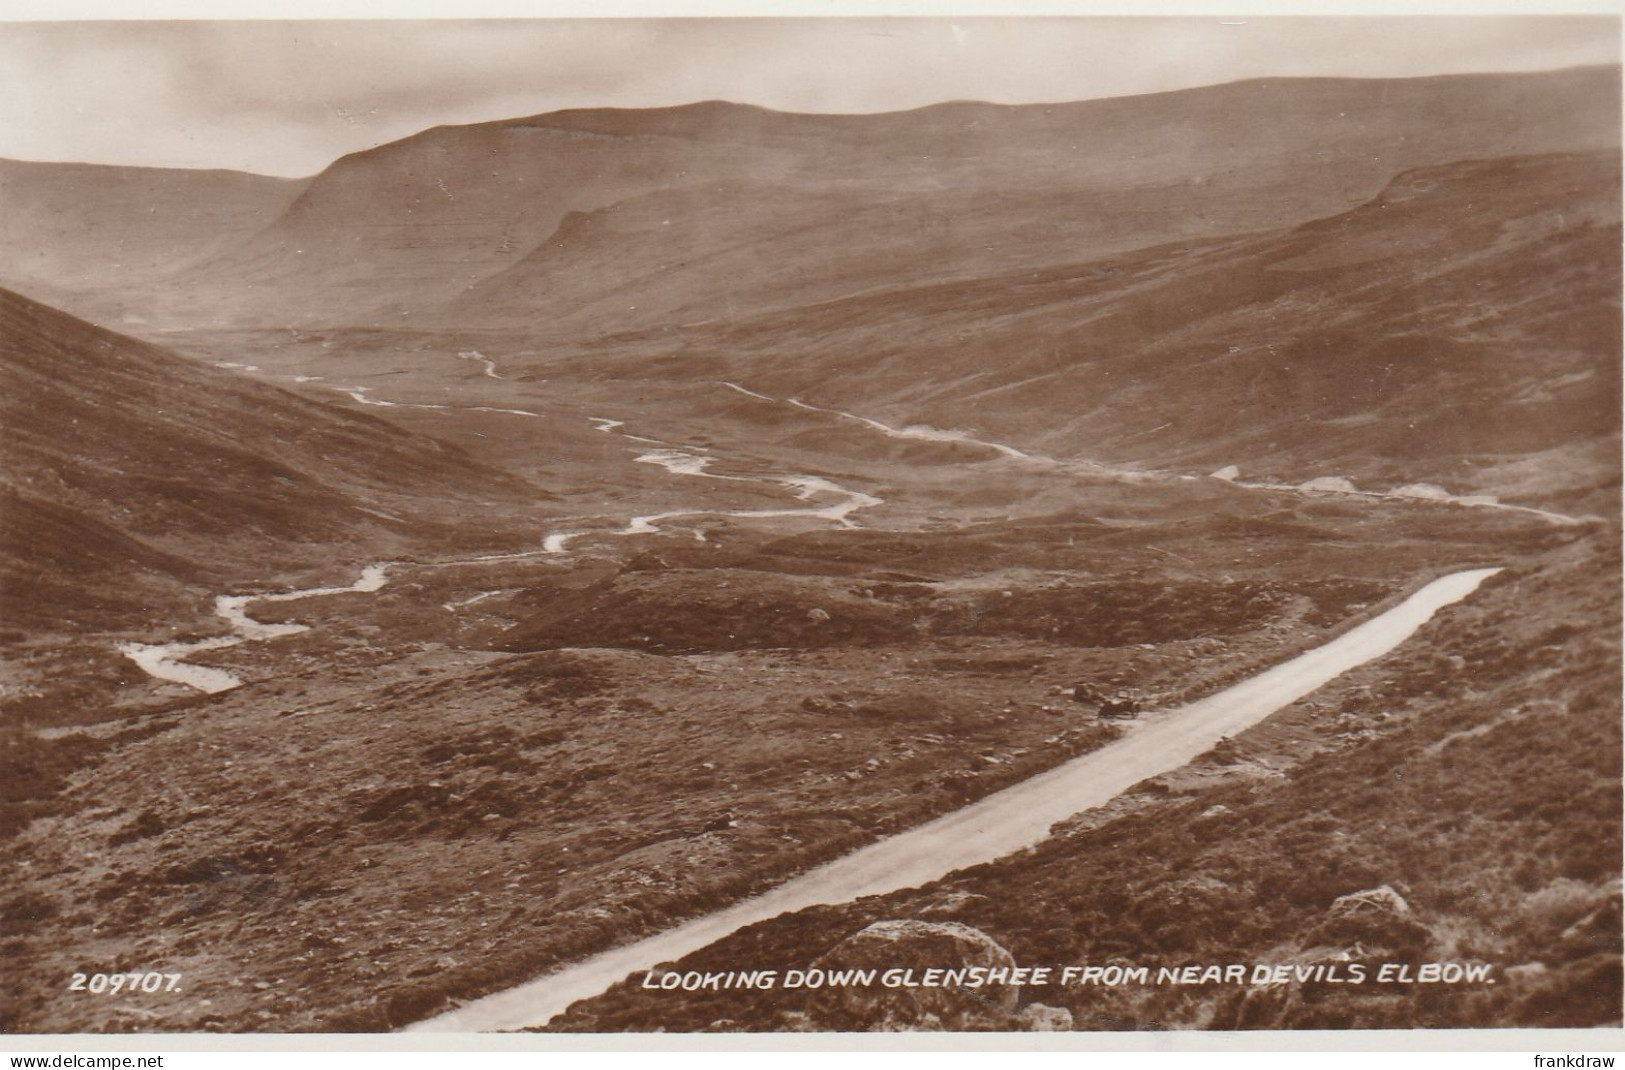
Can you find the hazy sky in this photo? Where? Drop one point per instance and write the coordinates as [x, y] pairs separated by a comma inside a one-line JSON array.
[[289, 97]]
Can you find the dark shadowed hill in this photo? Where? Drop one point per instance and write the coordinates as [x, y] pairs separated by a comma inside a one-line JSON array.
[[390, 234], [128, 471]]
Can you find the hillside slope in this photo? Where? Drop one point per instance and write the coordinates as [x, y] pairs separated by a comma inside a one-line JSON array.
[[129, 473], [389, 234], [1468, 787], [78, 233], [1462, 327]]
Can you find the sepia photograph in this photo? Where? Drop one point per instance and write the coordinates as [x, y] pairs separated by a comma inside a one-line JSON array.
[[1007, 524]]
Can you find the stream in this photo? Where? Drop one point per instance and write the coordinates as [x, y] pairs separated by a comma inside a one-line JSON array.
[[168, 661], [1321, 485]]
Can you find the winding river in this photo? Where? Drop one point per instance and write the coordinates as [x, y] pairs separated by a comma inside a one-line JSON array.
[[1322, 485], [1006, 821], [168, 661]]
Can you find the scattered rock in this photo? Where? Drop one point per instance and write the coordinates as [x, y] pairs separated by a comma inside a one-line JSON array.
[[1595, 933], [921, 945], [950, 903], [1375, 918], [1525, 972], [1121, 704], [1380, 900], [1040, 1018]]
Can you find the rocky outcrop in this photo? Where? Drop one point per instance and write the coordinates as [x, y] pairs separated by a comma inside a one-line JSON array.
[[917, 945], [1373, 919], [1040, 1018], [1332, 484], [1597, 932]]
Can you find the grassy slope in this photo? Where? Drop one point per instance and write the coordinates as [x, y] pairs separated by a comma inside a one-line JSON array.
[[1476, 770], [80, 234], [387, 235], [1460, 328], [138, 484], [129, 470], [572, 795]]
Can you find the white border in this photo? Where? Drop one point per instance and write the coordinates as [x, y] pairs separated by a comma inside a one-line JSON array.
[[1553, 1041]]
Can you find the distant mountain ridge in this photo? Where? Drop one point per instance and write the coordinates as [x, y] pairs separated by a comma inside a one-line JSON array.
[[1462, 326], [420, 230], [71, 228]]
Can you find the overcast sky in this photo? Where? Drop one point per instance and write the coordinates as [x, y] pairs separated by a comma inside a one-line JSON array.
[[287, 98]]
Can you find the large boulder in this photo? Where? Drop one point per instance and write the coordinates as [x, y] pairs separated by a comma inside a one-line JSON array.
[[916, 945], [1041, 1018], [1596, 933], [1375, 919], [1381, 901], [1333, 484]]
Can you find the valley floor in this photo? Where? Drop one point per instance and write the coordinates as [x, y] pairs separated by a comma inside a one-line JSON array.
[[516, 754]]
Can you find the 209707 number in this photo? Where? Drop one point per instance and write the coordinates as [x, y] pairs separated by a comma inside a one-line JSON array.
[[134, 982]]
